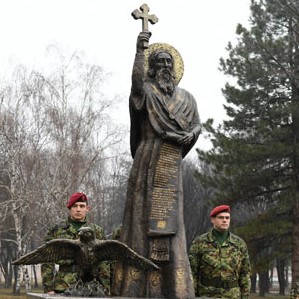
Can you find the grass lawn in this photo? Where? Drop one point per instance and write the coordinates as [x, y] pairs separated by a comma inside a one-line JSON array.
[[8, 294]]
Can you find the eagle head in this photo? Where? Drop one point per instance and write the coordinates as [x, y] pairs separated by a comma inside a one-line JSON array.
[[86, 234]]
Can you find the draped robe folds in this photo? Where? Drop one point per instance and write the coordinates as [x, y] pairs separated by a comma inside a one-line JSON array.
[[153, 223]]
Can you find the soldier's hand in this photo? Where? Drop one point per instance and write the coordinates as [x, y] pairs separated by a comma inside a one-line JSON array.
[[143, 38]]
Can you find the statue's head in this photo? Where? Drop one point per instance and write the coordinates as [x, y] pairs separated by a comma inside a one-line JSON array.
[[164, 60], [161, 71], [160, 59]]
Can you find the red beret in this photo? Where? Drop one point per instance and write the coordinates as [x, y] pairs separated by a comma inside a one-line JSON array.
[[78, 196], [220, 209]]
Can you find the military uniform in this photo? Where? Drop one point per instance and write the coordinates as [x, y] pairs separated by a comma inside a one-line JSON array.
[[68, 273], [294, 294], [220, 270]]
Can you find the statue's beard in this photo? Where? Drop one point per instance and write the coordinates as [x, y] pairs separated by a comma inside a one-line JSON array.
[[165, 81]]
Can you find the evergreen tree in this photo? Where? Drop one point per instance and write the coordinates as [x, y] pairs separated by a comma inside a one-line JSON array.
[[255, 154]]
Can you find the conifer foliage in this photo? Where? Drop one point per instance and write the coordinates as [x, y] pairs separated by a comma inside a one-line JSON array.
[[255, 154]]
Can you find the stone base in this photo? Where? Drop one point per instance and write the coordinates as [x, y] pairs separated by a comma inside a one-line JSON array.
[[46, 296]]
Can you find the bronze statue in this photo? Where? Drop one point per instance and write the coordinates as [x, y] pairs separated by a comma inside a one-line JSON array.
[[87, 253], [164, 127]]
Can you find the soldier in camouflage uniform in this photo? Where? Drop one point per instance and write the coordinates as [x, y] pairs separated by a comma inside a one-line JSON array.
[[58, 281], [294, 294], [220, 261]]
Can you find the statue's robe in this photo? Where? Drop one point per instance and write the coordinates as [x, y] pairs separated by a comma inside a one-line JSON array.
[[153, 223]]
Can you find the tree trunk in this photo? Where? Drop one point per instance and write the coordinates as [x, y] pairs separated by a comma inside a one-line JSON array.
[[295, 244], [26, 279], [295, 119], [35, 276], [281, 277], [253, 283], [17, 281], [263, 283]]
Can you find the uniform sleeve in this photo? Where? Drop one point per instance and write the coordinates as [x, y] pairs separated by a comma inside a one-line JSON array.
[[105, 275], [194, 263], [245, 273], [48, 269], [104, 267], [116, 233], [48, 277], [99, 232]]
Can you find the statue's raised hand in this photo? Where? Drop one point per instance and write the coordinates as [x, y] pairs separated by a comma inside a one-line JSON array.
[[143, 40]]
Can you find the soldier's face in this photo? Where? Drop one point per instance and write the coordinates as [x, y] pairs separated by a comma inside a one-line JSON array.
[[78, 211], [221, 221]]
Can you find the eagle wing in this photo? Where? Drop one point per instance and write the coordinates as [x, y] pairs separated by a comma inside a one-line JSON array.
[[51, 252], [115, 250]]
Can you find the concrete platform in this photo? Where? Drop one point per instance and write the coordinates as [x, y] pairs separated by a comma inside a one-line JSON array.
[[46, 296]]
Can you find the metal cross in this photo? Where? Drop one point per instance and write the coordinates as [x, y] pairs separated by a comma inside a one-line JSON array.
[[143, 14]]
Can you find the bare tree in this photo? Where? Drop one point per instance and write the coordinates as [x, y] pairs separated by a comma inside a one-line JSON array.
[[55, 132]]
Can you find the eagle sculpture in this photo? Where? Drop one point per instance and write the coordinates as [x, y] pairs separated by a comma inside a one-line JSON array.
[[86, 252]]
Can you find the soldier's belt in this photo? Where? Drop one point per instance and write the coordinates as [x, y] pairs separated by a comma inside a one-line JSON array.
[[218, 282]]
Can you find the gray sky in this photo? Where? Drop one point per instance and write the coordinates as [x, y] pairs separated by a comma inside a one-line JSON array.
[[106, 32]]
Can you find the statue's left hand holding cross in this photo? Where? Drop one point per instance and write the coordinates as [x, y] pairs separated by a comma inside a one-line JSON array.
[[143, 14]]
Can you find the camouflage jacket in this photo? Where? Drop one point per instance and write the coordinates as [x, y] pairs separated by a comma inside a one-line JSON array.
[[221, 271], [62, 278], [294, 291]]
